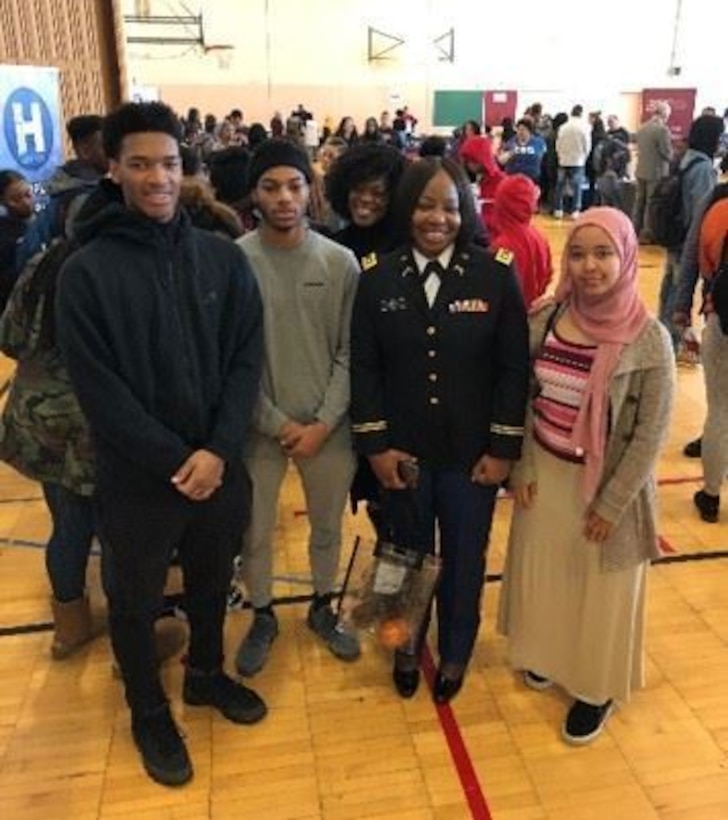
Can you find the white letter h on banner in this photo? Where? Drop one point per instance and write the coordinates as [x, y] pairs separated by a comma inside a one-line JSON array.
[[27, 128]]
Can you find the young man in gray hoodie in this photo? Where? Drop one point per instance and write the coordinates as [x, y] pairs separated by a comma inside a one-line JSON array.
[[307, 284]]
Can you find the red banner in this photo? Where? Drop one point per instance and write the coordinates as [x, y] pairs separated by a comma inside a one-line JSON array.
[[682, 103], [499, 104]]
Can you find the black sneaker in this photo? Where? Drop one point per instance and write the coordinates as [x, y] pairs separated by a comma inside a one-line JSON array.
[[255, 647], [341, 642], [584, 722], [694, 449], [163, 751], [233, 700], [708, 506]]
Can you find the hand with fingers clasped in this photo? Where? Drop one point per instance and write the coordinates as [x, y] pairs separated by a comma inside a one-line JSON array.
[[302, 440], [200, 476], [289, 434]]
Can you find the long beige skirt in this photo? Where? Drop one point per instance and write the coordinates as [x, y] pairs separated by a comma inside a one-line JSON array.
[[565, 617]]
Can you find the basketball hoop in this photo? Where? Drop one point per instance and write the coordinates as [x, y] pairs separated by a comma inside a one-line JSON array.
[[223, 55]]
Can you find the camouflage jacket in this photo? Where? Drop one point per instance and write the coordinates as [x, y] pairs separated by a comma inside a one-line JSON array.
[[43, 433]]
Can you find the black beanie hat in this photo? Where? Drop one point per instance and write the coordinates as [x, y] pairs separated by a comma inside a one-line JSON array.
[[273, 153]]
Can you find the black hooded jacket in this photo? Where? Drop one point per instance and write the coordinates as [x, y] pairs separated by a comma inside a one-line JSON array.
[[160, 326]]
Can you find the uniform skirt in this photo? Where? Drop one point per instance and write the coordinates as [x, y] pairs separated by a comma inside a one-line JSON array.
[[565, 617]]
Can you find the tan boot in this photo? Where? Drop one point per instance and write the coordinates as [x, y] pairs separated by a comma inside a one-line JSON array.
[[170, 637], [73, 626]]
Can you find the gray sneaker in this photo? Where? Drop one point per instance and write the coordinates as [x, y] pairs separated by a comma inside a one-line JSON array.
[[340, 642], [255, 646]]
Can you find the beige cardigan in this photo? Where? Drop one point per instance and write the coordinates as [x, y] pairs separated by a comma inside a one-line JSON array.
[[640, 402]]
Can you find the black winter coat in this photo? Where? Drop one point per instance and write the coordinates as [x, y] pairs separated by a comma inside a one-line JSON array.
[[160, 327]]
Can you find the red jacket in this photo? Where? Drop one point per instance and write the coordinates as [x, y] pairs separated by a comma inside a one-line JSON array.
[[478, 151], [515, 203]]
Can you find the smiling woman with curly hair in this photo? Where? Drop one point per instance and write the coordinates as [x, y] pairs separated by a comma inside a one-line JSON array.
[[360, 188]]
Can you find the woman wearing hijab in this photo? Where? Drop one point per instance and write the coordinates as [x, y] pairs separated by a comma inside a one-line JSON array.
[[583, 530], [516, 201]]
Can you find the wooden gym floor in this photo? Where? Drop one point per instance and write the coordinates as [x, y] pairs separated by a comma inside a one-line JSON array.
[[338, 743]]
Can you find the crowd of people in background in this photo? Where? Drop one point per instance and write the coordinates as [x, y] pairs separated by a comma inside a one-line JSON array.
[[231, 298]]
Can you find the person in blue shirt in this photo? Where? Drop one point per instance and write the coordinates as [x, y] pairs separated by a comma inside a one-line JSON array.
[[523, 153]]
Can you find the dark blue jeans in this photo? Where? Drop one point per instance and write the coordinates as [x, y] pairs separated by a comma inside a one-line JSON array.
[[463, 512], [575, 175], [73, 520]]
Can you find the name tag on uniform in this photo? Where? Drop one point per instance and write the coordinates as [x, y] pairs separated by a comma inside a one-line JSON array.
[[392, 305], [468, 306]]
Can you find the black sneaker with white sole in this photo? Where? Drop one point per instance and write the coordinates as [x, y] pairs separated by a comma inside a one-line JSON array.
[[584, 722]]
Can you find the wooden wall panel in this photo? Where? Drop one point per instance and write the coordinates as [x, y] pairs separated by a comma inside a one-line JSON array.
[[79, 37]]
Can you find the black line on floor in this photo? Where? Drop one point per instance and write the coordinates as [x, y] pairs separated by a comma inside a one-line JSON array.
[[25, 629], [694, 556], [174, 602], [21, 542]]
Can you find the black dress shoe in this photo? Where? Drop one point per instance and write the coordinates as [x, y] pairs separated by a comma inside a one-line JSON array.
[[446, 688], [406, 681], [694, 449]]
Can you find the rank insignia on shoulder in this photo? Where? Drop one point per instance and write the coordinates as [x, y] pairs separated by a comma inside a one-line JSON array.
[[369, 261], [504, 255]]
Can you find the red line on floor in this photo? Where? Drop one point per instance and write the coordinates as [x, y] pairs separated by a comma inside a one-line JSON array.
[[458, 750], [683, 480], [666, 546]]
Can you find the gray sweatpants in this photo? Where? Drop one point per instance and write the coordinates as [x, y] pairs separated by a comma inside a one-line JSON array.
[[326, 479], [714, 354]]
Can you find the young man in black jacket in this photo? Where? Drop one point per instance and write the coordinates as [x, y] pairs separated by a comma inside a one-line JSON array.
[[160, 325]]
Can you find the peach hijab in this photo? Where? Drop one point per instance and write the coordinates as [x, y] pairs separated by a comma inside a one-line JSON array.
[[612, 320]]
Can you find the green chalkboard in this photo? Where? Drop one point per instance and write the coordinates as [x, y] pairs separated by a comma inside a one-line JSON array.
[[454, 107]]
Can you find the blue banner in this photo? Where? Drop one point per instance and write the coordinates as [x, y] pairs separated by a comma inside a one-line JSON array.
[[30, 121]]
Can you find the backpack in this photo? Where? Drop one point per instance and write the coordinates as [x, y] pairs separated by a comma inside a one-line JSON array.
[[28, 323], [665, 209], [718, 289], [613, 156], [49, 224]]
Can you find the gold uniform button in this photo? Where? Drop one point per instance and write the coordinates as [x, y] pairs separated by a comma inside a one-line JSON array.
[[431, 354], [434, 400], [431, 330], [432, 377]]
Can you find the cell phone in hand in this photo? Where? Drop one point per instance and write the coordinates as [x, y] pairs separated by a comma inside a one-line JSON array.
[[409, 471]]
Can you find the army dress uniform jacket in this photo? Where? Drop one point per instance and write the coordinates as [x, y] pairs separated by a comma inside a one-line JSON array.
[[446, 383]]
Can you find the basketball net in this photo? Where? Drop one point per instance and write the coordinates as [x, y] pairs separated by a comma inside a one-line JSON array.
[[223, 56]]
